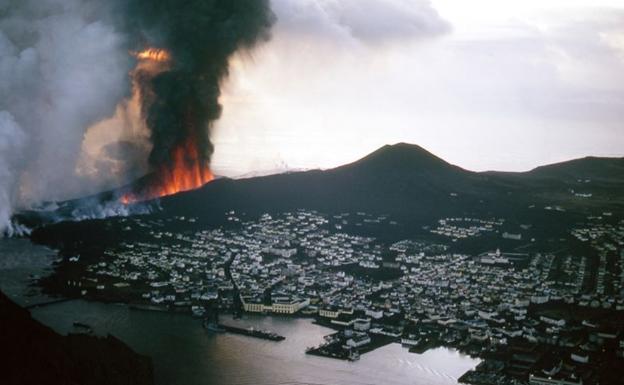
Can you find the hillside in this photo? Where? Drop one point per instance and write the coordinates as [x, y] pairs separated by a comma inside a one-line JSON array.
[[401, 180], [35, 354], [407, 181]]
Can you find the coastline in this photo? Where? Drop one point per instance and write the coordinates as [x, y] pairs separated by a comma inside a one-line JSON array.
[[224, 357]]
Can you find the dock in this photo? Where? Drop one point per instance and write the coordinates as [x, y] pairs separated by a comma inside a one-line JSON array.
[[251, 332], [47, 303]]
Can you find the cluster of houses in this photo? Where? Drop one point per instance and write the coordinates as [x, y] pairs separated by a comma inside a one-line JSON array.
[[465, 227], [417, 292]]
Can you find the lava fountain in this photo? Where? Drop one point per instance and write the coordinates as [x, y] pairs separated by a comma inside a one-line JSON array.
[[184, 172], [183, 55], [186, 169]]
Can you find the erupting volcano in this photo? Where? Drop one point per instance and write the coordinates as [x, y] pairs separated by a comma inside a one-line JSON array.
[[186, 168], [182, 55], [186, 172]]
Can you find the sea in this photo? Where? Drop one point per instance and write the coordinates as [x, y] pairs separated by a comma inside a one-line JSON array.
[[184, 353]]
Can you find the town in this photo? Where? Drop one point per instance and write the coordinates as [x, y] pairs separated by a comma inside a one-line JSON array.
[[534, 317]]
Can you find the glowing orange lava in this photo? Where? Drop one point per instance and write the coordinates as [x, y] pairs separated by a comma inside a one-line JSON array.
[[185, 172], [186, 169], [153, 54]]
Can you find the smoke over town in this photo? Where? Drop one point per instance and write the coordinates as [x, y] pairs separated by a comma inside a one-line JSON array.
[[67, 65]]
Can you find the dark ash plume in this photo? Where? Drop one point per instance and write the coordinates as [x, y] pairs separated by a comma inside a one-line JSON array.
[[200, 36], [64, 67]]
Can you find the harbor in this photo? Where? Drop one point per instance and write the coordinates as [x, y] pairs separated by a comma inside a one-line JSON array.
[[193, 354], [250, 332], [347, 345]]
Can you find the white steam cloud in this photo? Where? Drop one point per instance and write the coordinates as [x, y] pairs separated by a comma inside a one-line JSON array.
[[63, 67], [12, 140]]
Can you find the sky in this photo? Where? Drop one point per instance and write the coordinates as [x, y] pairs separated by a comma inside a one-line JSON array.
[[484, 84]]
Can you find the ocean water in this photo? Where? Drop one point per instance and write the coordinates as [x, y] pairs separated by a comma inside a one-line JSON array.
[[20, 263], [184, 353]]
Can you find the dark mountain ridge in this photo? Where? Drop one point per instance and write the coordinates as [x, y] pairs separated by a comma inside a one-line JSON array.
[[402, 180], [405, 180], [394, 179]]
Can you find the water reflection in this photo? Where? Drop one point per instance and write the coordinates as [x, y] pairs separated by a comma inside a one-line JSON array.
[[20, 263], [184, 353]]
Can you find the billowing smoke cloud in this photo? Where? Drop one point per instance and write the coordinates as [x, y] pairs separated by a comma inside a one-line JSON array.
[[12, 141], [201, 36], [64, 67]]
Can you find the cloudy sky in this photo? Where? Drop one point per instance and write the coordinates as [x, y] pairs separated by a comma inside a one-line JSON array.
[[485, 84]]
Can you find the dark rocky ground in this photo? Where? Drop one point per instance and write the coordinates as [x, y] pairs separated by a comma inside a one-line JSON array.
[[31, 353]]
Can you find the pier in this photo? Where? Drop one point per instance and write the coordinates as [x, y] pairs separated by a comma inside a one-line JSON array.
[[47, 303], [251, 332]]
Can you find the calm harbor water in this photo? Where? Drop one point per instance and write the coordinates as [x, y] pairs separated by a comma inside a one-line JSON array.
[[185, 354], [20, 263]]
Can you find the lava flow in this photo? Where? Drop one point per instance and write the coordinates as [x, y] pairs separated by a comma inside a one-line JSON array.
[[185, 172]]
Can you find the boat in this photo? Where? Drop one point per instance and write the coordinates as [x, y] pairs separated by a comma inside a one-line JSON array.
[[252, 332], [213, 327], [198, 311]]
